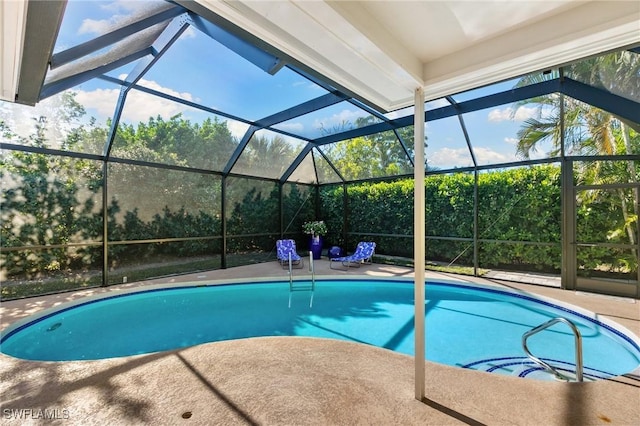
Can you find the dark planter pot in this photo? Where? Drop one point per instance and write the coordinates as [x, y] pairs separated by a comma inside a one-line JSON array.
[[315, 246]]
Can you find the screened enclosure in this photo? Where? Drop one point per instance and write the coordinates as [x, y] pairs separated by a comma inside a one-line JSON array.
[[165, 144]]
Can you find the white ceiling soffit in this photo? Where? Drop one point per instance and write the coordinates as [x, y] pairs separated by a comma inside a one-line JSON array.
[[12, 19], [384, 50], [29, 30]]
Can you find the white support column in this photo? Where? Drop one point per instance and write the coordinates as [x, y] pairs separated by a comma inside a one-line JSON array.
[[419, 245]]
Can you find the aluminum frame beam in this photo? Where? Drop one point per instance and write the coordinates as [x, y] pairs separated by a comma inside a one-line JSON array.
[[240, 149], [263, 60], [296, 162], [76, 79], [302, 109], [617, 105], [100, 42], [464, 131]]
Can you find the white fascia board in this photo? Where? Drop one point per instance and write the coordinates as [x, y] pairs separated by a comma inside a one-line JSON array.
[[589, 30], [13, 18], [316, 35]]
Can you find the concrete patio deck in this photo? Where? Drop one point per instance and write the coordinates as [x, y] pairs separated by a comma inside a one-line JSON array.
[[302, 381]]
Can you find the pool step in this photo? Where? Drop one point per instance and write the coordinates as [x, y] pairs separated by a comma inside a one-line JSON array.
[[522, 366]]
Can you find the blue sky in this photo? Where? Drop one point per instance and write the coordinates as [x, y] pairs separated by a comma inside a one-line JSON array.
[[199, 69]]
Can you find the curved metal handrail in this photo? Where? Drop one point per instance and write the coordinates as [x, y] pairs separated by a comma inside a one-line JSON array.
[[313, 280], [578, 348]]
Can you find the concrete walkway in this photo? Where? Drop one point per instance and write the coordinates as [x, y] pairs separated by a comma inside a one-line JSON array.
[[525, 278]]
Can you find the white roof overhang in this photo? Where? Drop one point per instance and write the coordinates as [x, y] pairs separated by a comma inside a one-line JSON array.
[[383, 50], [378, 51]]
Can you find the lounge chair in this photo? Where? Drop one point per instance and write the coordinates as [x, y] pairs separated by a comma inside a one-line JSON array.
[[284, 248], [363, 254]]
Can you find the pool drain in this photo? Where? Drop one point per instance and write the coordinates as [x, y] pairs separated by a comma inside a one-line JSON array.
[[54, 326]]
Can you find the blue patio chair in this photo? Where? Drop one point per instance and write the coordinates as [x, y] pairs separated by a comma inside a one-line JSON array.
[[363, 254], [284, 248]]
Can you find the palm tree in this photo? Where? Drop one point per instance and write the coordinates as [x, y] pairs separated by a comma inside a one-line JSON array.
[[617, 73], [589, 130]]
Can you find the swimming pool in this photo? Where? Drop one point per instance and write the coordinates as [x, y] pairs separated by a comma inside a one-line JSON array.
[[467, 326]]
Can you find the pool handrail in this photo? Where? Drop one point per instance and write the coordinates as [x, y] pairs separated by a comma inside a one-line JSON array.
[[546, 366], [303, 288]]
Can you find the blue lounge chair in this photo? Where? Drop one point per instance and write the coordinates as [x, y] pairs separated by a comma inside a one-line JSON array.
[[284, 248], [363, 254]]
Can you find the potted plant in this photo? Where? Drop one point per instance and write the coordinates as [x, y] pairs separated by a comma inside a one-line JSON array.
[[317, 229]]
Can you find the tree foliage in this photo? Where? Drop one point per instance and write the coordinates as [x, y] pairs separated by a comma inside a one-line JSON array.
[[379, 155], [590, 131]]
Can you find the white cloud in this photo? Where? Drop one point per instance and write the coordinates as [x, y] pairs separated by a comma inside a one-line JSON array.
[[237, 128], [431, 105], [119, 10], [292, 127], [295, 143], [190, 32], [150, 84], [506, 114], [125, 5], [93, 26], [128, 7], [511, 141], [102, 101], [497, 115], [305, 84], [436, 103], [139, 106], [489, 156], [400, 113], [448, 157], [524, 113], [22, 119], [336, 120]]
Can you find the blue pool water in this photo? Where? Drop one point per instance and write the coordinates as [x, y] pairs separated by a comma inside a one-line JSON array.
[[479, 328]]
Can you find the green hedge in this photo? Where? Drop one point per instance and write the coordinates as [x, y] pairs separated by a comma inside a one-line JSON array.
[[517, 208], [514, 205]]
